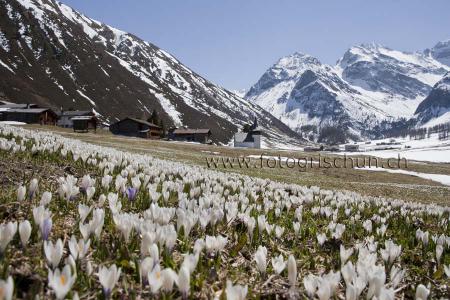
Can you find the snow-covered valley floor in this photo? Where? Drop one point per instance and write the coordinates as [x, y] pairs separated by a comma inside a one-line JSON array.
[[429, 149]]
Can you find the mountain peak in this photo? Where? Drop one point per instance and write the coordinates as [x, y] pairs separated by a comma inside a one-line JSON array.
[[441, 52], [296, 60], [371, 46]]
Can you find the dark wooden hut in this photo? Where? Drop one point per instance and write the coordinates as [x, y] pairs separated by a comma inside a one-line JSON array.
[[137, 128], [43, 116], [191, 135]]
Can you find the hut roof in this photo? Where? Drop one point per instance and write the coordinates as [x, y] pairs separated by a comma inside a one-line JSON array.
[[30, 110], [74, 113], [18, 106], [139, 121], [182, 131]]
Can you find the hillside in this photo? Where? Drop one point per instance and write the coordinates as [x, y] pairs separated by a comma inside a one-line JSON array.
[[55, 56]]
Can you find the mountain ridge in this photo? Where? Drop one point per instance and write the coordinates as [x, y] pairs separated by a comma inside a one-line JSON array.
[[370, 85], [86, 64]]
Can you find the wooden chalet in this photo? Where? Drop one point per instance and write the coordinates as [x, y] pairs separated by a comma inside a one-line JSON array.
[[65, 117], [137, 128], [84, 123], [43, 116], [190, 135]]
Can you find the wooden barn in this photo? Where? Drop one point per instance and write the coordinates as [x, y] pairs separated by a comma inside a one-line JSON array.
[[84, 123], [43, 116], [65, 117], [190, 135], [137, 128]]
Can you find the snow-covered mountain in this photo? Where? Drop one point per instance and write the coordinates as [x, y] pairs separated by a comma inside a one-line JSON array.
[[55, 56], [300, 90], [441, 52], [396, 80], [435, 109], [240, 93], [369, 84]]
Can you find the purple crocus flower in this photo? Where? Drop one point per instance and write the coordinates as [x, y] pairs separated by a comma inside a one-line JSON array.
[[131, 193], [46, 228]]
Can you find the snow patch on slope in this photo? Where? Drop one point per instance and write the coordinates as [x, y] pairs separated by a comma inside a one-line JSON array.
[[86, 97], [169, 108]]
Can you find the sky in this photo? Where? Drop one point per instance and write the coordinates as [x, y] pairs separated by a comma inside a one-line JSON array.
[[233, 42]]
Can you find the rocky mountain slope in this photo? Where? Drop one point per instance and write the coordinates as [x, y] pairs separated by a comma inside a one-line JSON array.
[[300, 90], [435, 109], [55, 56], [370, 84]]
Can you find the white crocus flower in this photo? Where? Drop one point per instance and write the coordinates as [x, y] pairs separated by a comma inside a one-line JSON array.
[[311, 283], [296, 226], [101, 200], [24, 232], [422, 292], [292, 271], [7, 233], [348, 272], [33, 188], [21, 193], [6, 288], [377, 279], [439, 251], [85, 230], [83, 211], [46, 198], [345, 254], [78, 249], [89, 268], [155, 280], [236, 292], [396, 276], [184, 279], [215, 244], [321, 238], [391, 252], [145, 266], [169, 277], [368, 226], [190, 262], [40, 213], [279, 231], [387, 294], [261, 259], [53, 252], [350, 292], [447, 270], [278, 264], [61, 282], [333, 279], [97, 222], [324, 289], [148, 239], [108, 278], [90, 191], [425, 238]]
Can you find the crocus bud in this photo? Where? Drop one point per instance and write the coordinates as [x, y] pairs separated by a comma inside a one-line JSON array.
[[21, 193], [24, 232]]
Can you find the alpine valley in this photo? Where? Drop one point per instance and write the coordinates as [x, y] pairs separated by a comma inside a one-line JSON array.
[[56, 57]]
